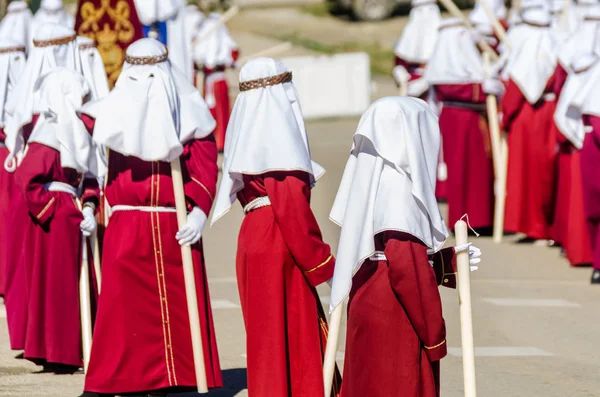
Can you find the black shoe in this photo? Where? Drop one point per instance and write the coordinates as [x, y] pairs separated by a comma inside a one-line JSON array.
[[596, 276]]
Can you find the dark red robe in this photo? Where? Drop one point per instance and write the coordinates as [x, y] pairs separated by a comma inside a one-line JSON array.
[[142, 337], [17, 256], [281, 258], [7, 192], [396, 334], [532, 151], [54, 260], [468, 155], [590, 164]]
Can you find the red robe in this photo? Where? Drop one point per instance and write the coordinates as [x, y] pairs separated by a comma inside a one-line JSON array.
[[530, 190], [7, 192], [396, 334], [17, 256], [468, 155], [218, 102], [54, 241], [281, 258], [142, 337], [590, 164]]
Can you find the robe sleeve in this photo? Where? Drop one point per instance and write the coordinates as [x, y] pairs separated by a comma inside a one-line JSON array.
[[36, 170], [91, 192], [471, 93], [512, 102], [200, 157], [88, 122], [289, 193], [594, 122], [444, 266], [414, 283]]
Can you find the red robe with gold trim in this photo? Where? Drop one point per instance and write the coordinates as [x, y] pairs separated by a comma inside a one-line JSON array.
[[7, 192], [281, 258], [142, 337], [53, 264], [590, 164], [467, 153], [396, 334], [532, 153], [17, 256]]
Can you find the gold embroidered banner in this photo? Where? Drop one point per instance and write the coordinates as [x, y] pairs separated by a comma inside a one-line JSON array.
[[113, 25]]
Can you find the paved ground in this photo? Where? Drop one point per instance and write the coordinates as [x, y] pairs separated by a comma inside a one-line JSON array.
[[536, 320]]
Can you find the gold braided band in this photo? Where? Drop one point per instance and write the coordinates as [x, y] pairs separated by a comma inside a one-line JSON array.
[[53, 42], [266, 81], [9, 50], [147, 60], [87, 46]]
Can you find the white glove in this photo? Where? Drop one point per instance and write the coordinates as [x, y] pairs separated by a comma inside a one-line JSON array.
[[191, 232], [493, 87], [474, 254], [401, 75], [88, 224]]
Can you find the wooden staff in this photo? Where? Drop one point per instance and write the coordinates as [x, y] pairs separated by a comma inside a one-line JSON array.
[[455, 11], [335, 323], [466, 319], [277, 49], [500, 207], [97, 260], [223, 19], [498, 28], [85, 308], [403, 89], [190, 281]]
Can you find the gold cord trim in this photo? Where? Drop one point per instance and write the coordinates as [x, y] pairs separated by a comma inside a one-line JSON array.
[[53, 42], [266, 82], [203, 187], [436, 346], [319, 266], [46, 208], [87, 46], [138, 61], [9, 50]]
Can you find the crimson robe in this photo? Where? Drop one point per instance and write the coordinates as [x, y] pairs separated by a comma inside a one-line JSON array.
[[17, 256], [280, 259], [142, 338], [530, 190], [396, 334], [590, 164], [468, 155], [7, 192], [53, 332]]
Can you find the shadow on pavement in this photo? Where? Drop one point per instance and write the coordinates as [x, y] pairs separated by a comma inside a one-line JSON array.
[[234, 380]]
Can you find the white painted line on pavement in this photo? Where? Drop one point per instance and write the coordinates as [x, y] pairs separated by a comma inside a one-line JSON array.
[[531, 302], [502, 352], [223, 304]]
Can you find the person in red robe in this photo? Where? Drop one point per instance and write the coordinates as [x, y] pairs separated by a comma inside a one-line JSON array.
[[281, 256], [528, 108], [12, 59], [456, 73], [142, 341], [396, 335], [214, 54], [49, 177], [52, 45]]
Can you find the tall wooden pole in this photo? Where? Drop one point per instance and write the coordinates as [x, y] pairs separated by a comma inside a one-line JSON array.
[[466, 316], [190, 280], [335, 323], [85, 309]]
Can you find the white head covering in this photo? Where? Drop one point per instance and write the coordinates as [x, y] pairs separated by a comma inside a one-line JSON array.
[[216, 48], [152, 11], [586, 99], [479, 17], [568, 118], [51, 11], [456, 59], [534, 63], [54, 46], [388, 184], [583, 41], [12, 63], [420, 34], [266, 133], [92, 68], [60, 93], [152, 111], [181, 32], [16, 24]]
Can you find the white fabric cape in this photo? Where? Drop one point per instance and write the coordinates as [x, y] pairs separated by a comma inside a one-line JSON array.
[[11, 67], [417, 42]]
